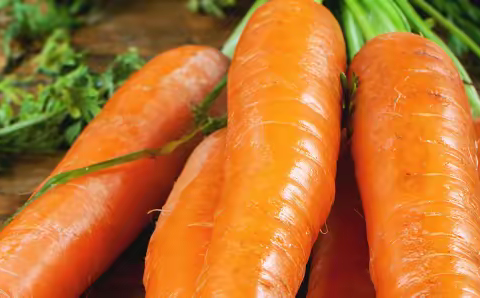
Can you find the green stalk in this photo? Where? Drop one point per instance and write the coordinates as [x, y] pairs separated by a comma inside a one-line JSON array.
[[457, 32], [361, 16], [200, 111], [417, 21], [394, 11], [27, 123], [470, 28], [229, 46], [382, 17], [168, 148], [472, 10], [352, 32]]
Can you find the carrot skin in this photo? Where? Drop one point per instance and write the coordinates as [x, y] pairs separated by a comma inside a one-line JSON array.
[[177, 248], [476, 123], [340, 257], [65, 239], [283, 135], [416, 166]]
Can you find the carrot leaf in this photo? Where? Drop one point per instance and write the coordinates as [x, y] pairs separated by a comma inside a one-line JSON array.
[[47, 111], [33, 21]]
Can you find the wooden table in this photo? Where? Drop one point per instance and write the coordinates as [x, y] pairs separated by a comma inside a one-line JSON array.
[[152, 26]]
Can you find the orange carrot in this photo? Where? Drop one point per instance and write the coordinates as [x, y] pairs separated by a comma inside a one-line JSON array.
[[339, 265], [283, 136], [476, 122], [415, 158], [66, 238], [477, 131], [177, 248]]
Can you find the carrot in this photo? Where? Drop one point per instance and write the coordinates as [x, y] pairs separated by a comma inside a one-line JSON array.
[[283, 135], [414, 150], [61, 242], [339, 265], [476, 123], [177, 248], [477, 127]]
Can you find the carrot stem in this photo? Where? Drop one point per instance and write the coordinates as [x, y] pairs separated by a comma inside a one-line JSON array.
[[361, 17], [200, 111], [23, 124], [352, 32], [420, 25], [470, 28], [394, 13], [405, 21], [168, 148], [384, 22], [448, 25]]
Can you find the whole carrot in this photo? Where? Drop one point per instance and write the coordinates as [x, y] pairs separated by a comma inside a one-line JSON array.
[[416, 166], [283, 136], [177, 248], [66, 238], [339, 265]]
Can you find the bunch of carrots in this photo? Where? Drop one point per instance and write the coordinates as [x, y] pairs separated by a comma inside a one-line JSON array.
[[258, 198]]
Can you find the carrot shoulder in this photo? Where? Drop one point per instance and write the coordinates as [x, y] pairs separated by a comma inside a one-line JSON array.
[[177, 248], [283, 136], [416, 166], [66, 238], [339, 265]]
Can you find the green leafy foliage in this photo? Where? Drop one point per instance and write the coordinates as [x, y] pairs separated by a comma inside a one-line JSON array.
[[57, 55], [120, 69], [31, 22], [28, 122], [51, 112], [457, 46]]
